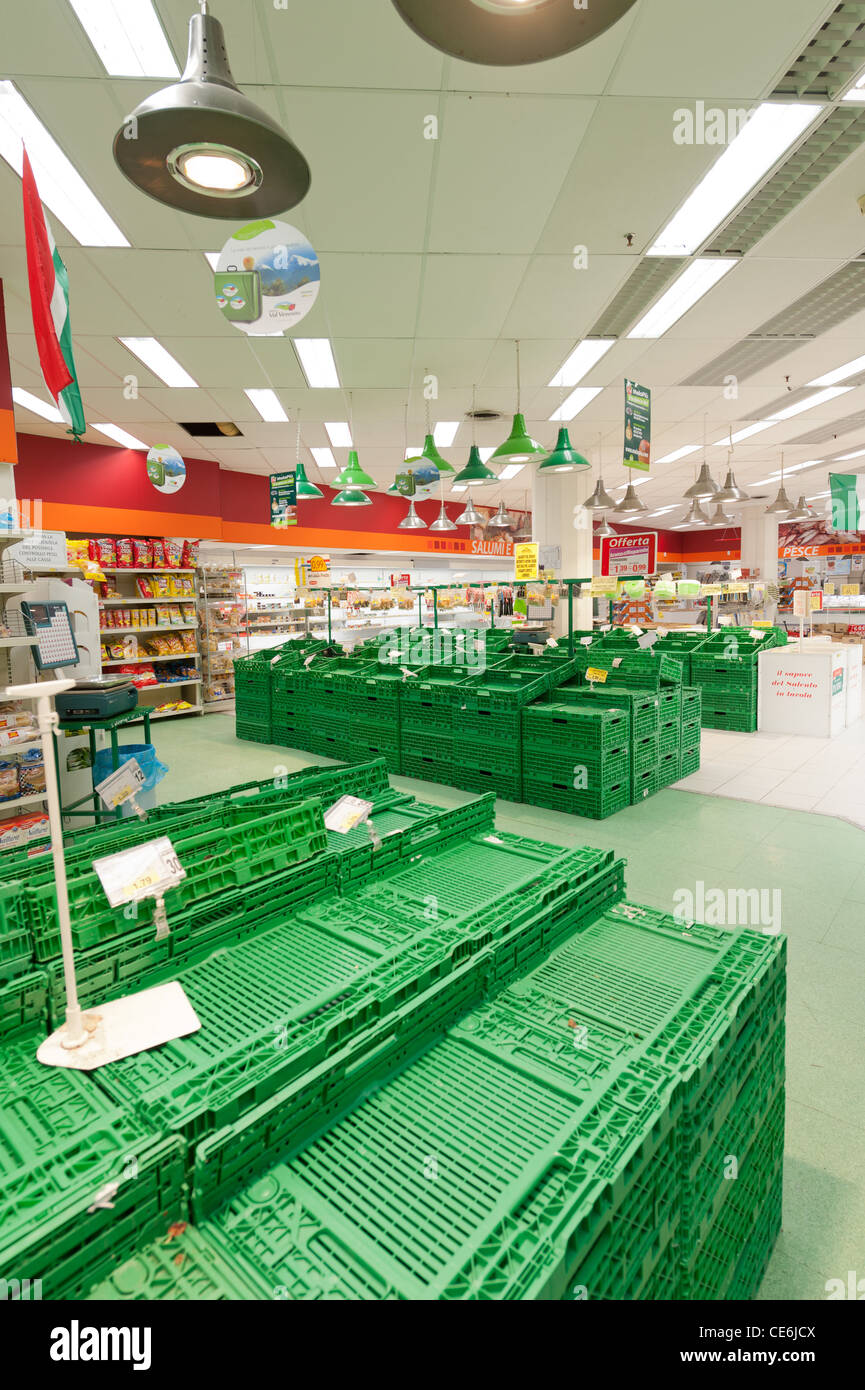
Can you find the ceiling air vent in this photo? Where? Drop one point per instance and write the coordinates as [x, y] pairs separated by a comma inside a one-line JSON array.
[[831, 60], [640, 289], [834, 140], [484, 415], [834, 429], [742, 360]]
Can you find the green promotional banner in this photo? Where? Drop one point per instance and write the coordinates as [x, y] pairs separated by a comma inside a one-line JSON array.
[[638, 426], [283, 499]]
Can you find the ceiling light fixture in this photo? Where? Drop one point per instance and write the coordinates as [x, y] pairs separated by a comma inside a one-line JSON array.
[[782, 505], [700, 276], [630, 504], [745, 433], [339, 434], [324, 458], [475, 472], [600, 500], [351, 497], [470, 516], [202, 146], [510, 471], [564, 458], [443, 521], [584, 356], [445, 433], [127, 36], [267, 404], [61, 187], [604, 531], [353, 476], [33, 403], [769, 131], [840, 373], [801, 511], [120, 436], [304, 488], [695, 516], [719, 517], [509, 32], [317, 362], [679, 453], [843, 458], [829, 394], [151, 352], [430, 448], [411, 521], [704, 489], [519, 447], [502, 518], [576, 401]]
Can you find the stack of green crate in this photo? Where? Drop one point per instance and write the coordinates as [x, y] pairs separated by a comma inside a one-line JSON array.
[[488, 722], [357, 710], [577, 758], [644, 709], [727, 672], [253, 709], [429, 699], [682, 645], [689, 740]]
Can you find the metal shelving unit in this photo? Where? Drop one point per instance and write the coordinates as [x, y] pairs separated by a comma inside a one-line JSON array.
[[188, 689], [12, 637], [222, 615]]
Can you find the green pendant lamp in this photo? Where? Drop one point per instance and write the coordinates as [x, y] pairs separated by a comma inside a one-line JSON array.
[[475, 472], [351, 497], [519, 447], [564, 458], [304, 487], [353, 476], [431, 454]]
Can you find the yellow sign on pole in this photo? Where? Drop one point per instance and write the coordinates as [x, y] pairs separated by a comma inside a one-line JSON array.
[[526, 562], [594, 673], [604, 586]]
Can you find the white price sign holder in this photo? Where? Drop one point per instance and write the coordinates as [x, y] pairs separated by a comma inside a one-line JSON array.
[[349, 812], [121, 786], [145, 871], [121, 1027]]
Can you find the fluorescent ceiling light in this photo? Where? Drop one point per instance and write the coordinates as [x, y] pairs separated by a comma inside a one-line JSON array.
[[267, 404], [576, 401], [679, 454], [324, 458], [127, 36], [316, 359], [38, 407], [819, 398], [60, 185], [486, 454], [815, 495], [120, 436], [581, 360], [743, 434], [339, 434], [842, 458], [772, 128], [151, 352], [857, 91], [632, 482], [212, 258], [794, 468], [510, 470], [840, 373], [459, 487], [414, 453], [682, 295], [445, 433]]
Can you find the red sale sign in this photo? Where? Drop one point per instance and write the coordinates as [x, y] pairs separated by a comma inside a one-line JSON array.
[[629, 556]]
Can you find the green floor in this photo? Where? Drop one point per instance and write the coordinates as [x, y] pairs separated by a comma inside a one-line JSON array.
[[674, 841]]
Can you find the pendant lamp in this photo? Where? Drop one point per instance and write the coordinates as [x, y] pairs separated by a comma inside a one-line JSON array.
[[502, 518], [695, 516], [719, 517], [431, 454], [509, 32], [353, 476], [201, 146], [600, 500], [469, 516], [705, 489], [519, 447], [564, 458], [443, 521], [630, 503], [730, 492], [604, 530], [411, 521], [782, 506], [801, 511], [351, 497], [475, 472], [304, 487]]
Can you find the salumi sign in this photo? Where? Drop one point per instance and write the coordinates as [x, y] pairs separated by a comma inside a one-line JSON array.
[[629, 555]]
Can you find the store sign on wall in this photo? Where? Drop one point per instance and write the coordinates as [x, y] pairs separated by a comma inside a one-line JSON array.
[[503, 547], [629, 555]]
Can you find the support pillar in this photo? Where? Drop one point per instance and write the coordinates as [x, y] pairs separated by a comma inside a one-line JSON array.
[[559, 519], [759, 552]]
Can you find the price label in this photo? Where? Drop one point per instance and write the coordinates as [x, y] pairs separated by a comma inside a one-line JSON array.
[[121, 784], [849, 589], [593, 674], [637, 631], [145, 871], [586, 641], [345, 814], [551, 642], [647, 640], [617, 661], [662, 631], [604, 586]]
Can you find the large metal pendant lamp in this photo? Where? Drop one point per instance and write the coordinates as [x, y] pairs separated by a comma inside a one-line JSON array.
[[695, 516], [202, 146], [519, 447], [411, 521], [502, 518], [782, 506], [630, 503], [443, 521], [600, 500], [470, 516], [509, 32]]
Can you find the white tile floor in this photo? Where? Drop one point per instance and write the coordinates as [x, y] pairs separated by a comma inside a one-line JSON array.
[[825, 775]]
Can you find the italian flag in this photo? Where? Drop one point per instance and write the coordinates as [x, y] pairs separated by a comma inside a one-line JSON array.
[[848, 501], [49, 303]]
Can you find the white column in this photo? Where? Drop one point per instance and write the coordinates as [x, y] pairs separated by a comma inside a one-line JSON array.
[[559, 519], [7, 486], [760, 547]]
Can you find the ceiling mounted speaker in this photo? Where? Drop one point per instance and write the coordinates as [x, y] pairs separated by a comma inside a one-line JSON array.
[[505, 33], [201, 146]]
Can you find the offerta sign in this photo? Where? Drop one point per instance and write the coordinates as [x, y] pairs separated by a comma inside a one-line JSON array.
[[626, 556]]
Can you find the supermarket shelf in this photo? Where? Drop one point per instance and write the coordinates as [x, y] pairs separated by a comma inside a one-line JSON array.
[[169, 713], [143, 660], [169, 685], [166, 569], [137, 598], [29, 800], [19, 642], [163, 627], [9, 588]]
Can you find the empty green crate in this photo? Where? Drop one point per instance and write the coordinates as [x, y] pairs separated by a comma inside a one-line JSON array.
[[669, 767], [611, 768], [559, 794], [691, 701], [643, 707], [593, 729], [23, 1003], [668, 736], [690, 737], [644, 753], [644, 783], [690, 761]]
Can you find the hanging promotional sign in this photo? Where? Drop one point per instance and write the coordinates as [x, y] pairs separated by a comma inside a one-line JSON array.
[[166, 470], [418, 478], [525, 562], [629, 555], [283, 499], [267, 278], [318, 564], [638, 426]]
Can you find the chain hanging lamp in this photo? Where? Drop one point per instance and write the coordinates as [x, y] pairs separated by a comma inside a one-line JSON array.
[[564, 458], [600, 500], [411, 521], [304, 487], [782, 506], [443, 521], [202, 146], [430, 448], [519, 447], [630, 504], [731, 492], [704, 488]]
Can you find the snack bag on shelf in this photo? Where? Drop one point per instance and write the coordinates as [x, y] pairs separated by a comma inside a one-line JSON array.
[[188, 610], [163, 616], [77, 552], [123, 551], [9, 779], [142, 554], [189, 559], [159, 560], [160, 585], [173, 550], [14, 718], [140, 676], [144, 585], [188, 639], [176, 615], [187, 585], [31, 772], [103, 551]]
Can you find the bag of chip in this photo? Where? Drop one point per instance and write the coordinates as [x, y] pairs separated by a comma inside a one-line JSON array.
[[159, 560], [173, 552], [123, 551], [142, 553], [103, 551], [190, 555]]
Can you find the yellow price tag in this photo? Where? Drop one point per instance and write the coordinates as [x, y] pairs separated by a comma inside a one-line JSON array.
[[594, 674], [525, 562], [849, 589]]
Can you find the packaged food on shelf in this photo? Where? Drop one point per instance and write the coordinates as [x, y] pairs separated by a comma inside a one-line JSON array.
[[20, 830], [31, 771], [142, 554], [9, 787]]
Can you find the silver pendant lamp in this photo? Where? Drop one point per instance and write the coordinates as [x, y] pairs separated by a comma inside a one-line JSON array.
[[695, 516], [731, 492], [411, 521], [469, 516], [719, 517], [443, 521], [502, 517], [801, 512], [782, 506], [202, 146], [600, 500], [704, 488], [630, 503], [604, 530], [509, 32]]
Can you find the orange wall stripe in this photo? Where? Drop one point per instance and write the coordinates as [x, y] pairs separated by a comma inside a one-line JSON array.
[[118, 521], [305, 537], [8, 441]]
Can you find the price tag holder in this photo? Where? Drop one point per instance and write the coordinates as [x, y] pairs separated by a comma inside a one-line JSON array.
[[145, 871], [551, 642], [617, 661], [347, 813], [637, 631], [121, 785], [647, 640], [662, 631], [594, 674], [586, 641]]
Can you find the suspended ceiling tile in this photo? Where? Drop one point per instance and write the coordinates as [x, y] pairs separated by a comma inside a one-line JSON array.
[[371, 295], [468, 296], [555, 299], [362, 364], [507, 201], [831, 56], [330, 44]]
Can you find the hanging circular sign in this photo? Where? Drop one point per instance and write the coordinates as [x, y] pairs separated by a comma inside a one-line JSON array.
[[166, 470], [424, 476], [267, 278]]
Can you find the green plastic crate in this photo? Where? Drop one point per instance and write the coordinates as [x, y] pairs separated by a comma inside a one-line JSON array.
[[23, 1004], [593, 730], [182, 1266], [644, 783]]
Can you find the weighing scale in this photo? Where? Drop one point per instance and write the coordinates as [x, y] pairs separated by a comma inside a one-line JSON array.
[[99, 697]]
